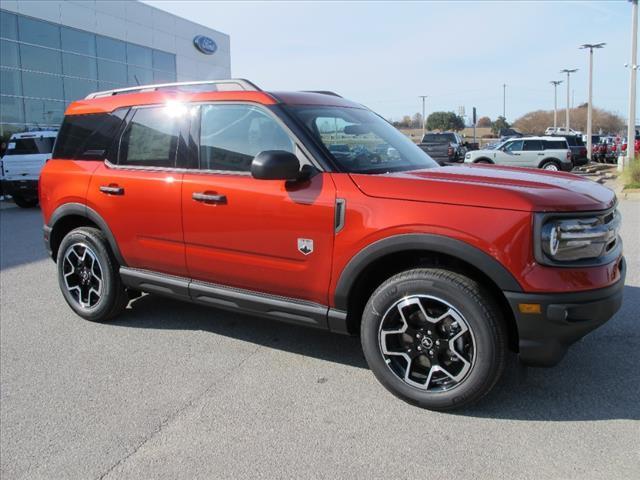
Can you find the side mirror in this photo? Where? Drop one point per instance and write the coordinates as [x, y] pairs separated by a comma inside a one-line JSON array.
[[275, 165]]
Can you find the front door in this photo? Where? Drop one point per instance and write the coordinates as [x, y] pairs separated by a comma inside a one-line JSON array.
[[138, 192], [267, 236], [512, 154]]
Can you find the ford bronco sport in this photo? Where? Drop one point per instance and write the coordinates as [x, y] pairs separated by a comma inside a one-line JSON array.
[[223, 194]]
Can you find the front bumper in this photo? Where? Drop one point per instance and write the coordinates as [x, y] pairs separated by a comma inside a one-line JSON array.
[[564, 318], [25, 188]]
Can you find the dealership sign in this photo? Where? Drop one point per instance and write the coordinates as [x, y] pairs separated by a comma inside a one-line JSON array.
[[205, 44]]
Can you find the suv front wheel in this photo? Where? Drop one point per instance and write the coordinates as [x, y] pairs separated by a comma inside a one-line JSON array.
[[434, 338], [88, 275]]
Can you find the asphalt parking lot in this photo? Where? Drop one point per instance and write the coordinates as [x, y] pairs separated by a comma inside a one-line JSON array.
[[172, 390]]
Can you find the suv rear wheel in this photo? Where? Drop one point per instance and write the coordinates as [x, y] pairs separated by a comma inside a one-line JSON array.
[[88, 275], [550, 165], [434, 338]]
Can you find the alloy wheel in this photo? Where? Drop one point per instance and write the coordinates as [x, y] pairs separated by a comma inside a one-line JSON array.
[[427, 343], [82, 275]]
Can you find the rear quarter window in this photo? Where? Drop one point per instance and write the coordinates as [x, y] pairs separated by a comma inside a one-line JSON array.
[[88, 137], [555, 145]]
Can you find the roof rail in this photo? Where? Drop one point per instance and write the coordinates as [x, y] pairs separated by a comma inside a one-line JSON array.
[[323, 92], [201, 86]]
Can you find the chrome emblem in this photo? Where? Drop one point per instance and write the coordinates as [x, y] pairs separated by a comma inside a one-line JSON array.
[[427, 342], [305, 246]]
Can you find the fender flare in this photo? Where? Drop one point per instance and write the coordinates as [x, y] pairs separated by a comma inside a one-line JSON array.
[[84, 211], [551, 159], [434, 243], [484, 159]]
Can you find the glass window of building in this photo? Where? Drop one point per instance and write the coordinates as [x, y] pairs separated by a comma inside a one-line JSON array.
[[79, 42], [140, 56], [164, 61], [139, 76], [43, 112], [111, 49], [8, 25], [79, 66], [11, 110], [163, 77], [113, 72], [76, 88], [40, 59], [10, 83], [40, 85], [9, 54], [38, 32]]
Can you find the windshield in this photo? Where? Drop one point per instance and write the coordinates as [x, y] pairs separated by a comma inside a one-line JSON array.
[[362, 142], [26, 146]]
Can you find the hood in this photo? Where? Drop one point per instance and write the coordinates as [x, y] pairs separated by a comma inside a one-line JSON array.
[[506, 188]]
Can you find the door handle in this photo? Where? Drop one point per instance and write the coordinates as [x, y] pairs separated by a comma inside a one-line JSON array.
[[112, 189], [208, 197]]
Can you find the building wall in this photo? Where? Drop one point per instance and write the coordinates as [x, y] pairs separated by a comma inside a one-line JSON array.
[[85, 46]]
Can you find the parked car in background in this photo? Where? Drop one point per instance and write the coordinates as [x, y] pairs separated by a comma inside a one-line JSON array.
[[578, 149], [547, 153], [636, 147], [25, 156], [455, 141], [438, 146], [561, 131]]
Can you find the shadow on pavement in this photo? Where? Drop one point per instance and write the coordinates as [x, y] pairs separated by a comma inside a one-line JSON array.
[[597, 380], [21, 237]]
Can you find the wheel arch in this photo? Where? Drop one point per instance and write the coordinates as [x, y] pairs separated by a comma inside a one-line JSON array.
[[387, 257], [483, 159], [73, 215]]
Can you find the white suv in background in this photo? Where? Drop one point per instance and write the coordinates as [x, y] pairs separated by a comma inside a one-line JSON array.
[[25, 156], [561, 131], [548, 153]]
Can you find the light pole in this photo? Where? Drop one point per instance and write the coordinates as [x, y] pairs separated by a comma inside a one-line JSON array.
[[633, 64], [568, 72], [504, 101], [424, 120], [590, 46], [555, 84]]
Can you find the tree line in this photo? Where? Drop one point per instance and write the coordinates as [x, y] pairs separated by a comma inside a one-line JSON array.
[[448, 121], [534, 123]]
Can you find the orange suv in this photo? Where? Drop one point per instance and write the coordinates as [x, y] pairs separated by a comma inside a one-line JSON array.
[[308, 208]]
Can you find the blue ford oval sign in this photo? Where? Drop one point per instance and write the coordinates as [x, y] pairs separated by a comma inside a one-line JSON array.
[[205, 44]]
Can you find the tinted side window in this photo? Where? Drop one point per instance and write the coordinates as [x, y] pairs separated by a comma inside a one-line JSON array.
[[150, 139], [532, 145], [231, 135], [514, 146], [87, 137], [555, 145]]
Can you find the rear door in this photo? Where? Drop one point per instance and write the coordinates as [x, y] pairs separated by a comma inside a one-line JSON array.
[[267, 236], [532, 153], [137, 190]]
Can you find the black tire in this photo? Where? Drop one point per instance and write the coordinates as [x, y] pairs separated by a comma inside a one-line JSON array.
[[113, 297], [476, 307], [548, 164], [23, 202], [483, 161]]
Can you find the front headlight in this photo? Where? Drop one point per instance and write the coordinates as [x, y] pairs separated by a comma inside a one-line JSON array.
[[467, 156], [567, 239]]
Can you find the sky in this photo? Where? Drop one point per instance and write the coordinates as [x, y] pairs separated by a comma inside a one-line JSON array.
[[385, 54]]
